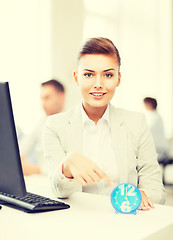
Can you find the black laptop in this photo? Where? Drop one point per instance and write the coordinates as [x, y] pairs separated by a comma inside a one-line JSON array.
[[12, 185]]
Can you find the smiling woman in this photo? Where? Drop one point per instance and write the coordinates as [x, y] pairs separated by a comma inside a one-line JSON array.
[[97, 77], [96, 146], [98, 74]]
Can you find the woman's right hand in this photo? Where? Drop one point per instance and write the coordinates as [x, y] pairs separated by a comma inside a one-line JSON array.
[[83, 170]]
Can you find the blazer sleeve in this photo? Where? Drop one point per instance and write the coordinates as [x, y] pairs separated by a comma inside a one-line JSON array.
[[54, 155], [149, 173]]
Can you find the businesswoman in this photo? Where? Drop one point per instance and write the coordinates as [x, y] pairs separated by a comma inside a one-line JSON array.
[[95, 146]]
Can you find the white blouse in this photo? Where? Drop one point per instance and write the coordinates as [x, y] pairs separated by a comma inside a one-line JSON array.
[[97, 146]]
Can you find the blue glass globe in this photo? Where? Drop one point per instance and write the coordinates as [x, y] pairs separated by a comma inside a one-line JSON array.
[[126, 198]]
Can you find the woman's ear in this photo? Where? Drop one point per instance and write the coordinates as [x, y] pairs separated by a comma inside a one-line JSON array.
[[119, 79], [75, 77]]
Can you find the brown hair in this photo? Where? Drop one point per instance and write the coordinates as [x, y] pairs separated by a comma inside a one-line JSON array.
[[99, 45], [56, 84], [151, 101]]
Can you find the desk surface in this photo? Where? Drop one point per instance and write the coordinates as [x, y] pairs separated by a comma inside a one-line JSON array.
[[90, 217]]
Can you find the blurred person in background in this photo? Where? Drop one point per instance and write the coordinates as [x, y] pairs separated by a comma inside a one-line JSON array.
[[52, 98], [156, 126]]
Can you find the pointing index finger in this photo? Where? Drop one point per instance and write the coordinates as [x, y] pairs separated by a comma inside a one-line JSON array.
[[103, 175]]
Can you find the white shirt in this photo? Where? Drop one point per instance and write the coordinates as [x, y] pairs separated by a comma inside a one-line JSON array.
[[31, 146], [97, 146], [155, 124]]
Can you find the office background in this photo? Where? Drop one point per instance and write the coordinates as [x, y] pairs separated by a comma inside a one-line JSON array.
[[40, 40]]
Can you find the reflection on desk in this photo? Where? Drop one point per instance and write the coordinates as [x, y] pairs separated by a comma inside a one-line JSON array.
[[90, 217]]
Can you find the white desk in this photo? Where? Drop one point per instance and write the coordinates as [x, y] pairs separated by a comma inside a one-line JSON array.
[[90, 217]]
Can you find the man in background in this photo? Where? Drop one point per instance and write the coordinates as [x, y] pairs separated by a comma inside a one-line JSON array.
[[52, 98], [156, 127]]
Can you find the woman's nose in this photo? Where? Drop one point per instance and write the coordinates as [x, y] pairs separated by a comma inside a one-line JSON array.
[[98, 82]]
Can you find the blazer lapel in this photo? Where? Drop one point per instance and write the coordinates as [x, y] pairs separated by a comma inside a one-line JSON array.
[[119, 139], [74, 131]]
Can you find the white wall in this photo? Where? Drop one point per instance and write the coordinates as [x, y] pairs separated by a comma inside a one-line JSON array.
[[19, 57]]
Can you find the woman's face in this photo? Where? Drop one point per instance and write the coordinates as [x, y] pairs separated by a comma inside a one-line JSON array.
[[97, 77]]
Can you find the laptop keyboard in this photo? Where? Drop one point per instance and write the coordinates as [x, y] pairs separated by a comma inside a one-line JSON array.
[[37, 200]]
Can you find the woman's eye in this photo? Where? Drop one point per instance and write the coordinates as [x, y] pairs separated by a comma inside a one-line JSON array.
[[88, 75], [108, 75]]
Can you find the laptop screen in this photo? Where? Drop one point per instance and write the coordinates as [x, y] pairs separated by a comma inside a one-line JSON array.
[[11, 175]]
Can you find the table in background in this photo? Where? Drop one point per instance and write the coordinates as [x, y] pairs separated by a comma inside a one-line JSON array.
[[89, 217]]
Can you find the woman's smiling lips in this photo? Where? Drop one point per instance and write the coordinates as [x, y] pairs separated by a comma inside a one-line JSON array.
[[98, 95]]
